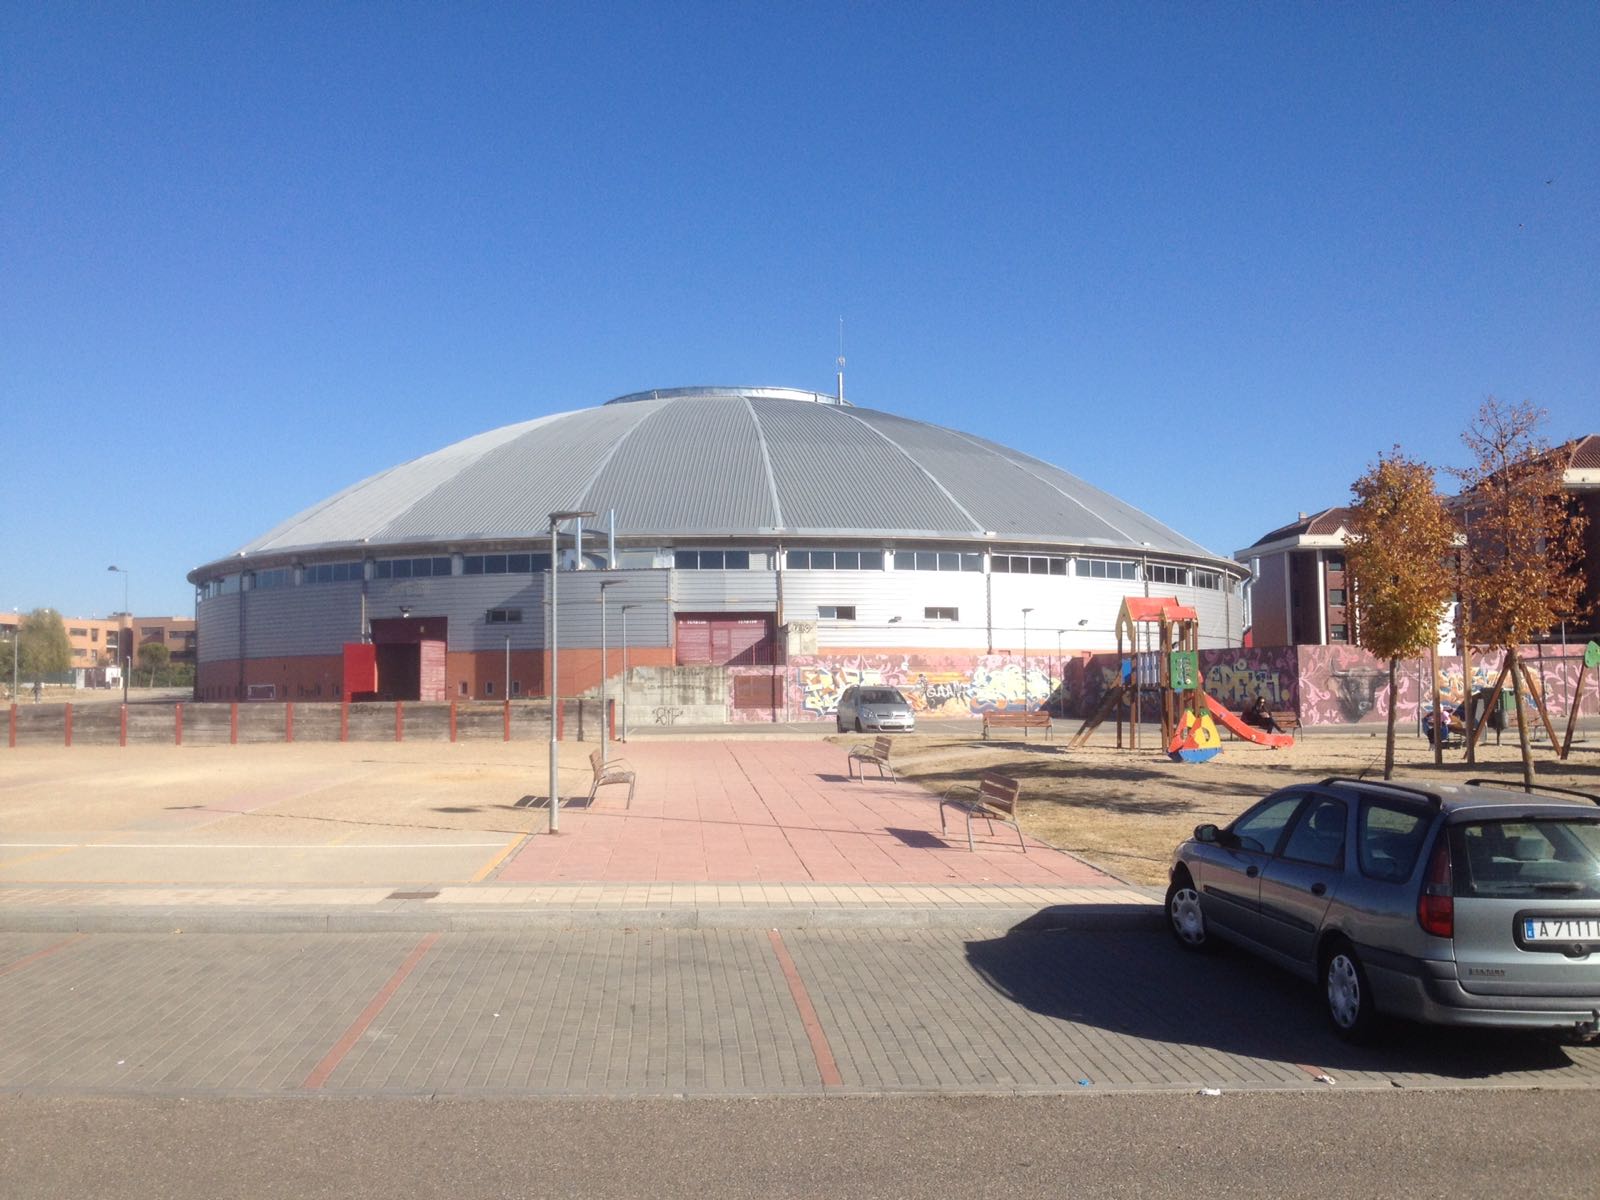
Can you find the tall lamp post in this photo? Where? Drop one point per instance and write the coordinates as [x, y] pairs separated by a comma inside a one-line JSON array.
[[556, 519], [1027, 696], [127, 651], [625, 609], [605, 663]]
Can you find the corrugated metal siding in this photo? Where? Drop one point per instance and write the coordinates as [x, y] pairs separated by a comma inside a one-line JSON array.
[[833, 472], [725, 591], [319, 619], [695, 467], [219, 628]]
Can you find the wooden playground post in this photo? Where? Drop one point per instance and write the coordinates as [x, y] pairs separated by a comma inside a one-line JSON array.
[[1476, 730], [1538, 704], [1591, 657], [1438, 708]]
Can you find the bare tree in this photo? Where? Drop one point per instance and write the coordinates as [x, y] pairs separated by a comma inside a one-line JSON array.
[[1397, 554], [1520, 572]]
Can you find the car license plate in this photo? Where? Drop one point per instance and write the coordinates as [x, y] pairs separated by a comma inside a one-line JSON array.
[[1560, 929]]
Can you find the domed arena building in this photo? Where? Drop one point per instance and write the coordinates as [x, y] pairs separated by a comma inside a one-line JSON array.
[[751, 551]]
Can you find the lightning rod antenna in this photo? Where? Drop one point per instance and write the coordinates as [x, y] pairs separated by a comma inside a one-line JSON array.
[[841, 361]]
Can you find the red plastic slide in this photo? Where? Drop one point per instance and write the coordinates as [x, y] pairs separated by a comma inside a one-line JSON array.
[[1249, 733]]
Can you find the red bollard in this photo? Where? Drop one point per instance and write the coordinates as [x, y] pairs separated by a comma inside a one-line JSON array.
[[452, 719], [506, 734]]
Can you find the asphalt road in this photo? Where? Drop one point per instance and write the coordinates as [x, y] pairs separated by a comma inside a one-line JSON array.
[[1330, 1145]]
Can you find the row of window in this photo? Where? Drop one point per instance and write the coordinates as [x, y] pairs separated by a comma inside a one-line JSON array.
[[847, 612], [739, 560]]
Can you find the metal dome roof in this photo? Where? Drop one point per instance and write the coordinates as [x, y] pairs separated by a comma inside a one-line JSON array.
[[726, 462]]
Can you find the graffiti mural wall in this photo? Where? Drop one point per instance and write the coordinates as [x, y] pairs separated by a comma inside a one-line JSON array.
[[1234, 677], [936, 685]]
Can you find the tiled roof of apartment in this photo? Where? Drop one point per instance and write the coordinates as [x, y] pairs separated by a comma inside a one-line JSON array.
[[1583, 453], [1320, 524]]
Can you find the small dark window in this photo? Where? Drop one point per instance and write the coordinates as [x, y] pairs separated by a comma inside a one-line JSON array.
[[837, 612], [736, 560], [472, 564], [1336, 597], [519, 564], [941, 614]]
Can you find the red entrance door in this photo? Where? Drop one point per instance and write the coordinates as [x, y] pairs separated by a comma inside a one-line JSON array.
[[724, 640]]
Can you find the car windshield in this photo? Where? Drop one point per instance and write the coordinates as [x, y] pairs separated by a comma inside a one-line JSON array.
[[1506, 859], [881, 696]]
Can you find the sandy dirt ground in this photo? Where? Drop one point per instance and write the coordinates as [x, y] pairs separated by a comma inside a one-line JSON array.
[[1125, 810], [1121, 810]]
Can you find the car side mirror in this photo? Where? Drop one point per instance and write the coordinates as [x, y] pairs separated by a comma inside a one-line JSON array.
[[1206, 833]]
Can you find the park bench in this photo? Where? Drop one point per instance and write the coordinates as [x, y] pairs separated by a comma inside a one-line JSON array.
[[877, 753], [616, 770], [1037, 719], [1287, 721], [993, 798]]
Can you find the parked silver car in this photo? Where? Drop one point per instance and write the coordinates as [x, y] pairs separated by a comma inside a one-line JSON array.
[[1468, 904], [874, 707]]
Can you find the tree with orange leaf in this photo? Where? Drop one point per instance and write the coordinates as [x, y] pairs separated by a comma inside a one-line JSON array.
[[1397, 552], [1521, 572]]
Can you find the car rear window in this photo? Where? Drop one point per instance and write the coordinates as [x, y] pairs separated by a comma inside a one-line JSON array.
[[1390, 837], [880, 696], [1510, 859]]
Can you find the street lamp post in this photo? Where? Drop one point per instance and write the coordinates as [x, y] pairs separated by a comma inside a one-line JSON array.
[[605, 662], [556, 518], [127, 651], [1027, 696], [625, 609]]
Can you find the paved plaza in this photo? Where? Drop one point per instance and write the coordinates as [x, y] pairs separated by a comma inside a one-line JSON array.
[[395, 920]]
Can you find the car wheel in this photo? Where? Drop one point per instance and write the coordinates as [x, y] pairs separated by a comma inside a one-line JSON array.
[[858, 726], [1351, 1011], [838, 723], [1184, 918]]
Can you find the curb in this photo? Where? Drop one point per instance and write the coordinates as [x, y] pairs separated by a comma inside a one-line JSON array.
[[1077, 918]]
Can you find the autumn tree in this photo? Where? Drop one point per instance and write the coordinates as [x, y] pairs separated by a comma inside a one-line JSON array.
[[44, 645], [1520, 573], [1400, 535]]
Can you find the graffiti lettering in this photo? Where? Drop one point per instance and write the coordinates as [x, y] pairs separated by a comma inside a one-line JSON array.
[[667, 714]]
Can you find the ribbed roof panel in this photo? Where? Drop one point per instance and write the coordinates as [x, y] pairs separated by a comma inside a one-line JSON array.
[[694, 467], [834, 473], [710, 462]]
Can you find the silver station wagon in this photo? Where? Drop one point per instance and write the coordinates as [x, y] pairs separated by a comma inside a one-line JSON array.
[[1467, 904], [874, 707]]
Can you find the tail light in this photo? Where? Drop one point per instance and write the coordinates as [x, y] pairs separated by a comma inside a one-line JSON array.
[[1436, 908]]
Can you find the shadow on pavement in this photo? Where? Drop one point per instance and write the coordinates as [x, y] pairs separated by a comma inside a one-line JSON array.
[[1143, 985]]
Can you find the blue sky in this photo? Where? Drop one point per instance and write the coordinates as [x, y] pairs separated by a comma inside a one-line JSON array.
[[1211, 257]]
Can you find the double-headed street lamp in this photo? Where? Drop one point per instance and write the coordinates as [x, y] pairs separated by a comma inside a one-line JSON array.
[[625, 609], [605, 664], [556, 520], [125, 651], [1027, 696]]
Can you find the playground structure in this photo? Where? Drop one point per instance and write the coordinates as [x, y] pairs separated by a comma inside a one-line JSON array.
[[1158, 648]]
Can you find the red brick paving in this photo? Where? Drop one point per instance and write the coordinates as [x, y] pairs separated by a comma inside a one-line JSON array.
[[774, 812]]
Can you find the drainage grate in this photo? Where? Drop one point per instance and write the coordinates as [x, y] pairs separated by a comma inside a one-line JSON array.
[[411, 895]]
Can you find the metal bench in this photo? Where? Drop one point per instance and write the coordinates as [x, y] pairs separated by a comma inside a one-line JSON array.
[[993, 798], [616, 770], [1036, 719], [877, 753]]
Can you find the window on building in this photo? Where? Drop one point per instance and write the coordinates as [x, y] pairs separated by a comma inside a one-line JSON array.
[[504, 564], [834, 560], [1336, 597], [343, 572], [151, 631], [836, 612], [1027, 564], [711, 560], [488, 687], [1334, 561], [1208, 579], [941, 614], [78, 632], [1107, 568], [504, 616], [1338, 633], [411, 568], [937, 560], [516, 687], [461, 688], [1167, 573], [277, 577], [94, 635]]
